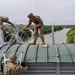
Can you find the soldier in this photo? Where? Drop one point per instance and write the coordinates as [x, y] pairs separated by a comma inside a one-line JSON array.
[[6, 20], [37, 27], [12, 68]]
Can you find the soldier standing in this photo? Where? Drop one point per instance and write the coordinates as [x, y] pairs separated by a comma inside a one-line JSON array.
[[37, 27]]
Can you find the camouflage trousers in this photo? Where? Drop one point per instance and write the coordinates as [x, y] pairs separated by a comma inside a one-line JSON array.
[[38, 31]]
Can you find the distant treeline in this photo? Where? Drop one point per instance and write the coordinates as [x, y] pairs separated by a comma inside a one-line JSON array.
[[67, 26]]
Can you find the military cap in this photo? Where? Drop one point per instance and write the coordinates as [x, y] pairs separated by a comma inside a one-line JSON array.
[[30, 14], [12, 57], [6, 19]]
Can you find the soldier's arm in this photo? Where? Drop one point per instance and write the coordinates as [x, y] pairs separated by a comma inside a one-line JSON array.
[[1, 25], [3, 29], [22, 69], [11, 23], [40, 22], [26, 26], [29, 23]]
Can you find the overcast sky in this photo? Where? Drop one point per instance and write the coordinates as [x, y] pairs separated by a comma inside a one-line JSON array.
[[57, 11]]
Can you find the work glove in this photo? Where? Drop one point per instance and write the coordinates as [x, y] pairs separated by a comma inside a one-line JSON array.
[[24, 28], [14, 25], [7, 32]]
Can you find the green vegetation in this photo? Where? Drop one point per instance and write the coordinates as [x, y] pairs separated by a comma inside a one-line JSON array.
[[24, 35], [48, 29], [67, 26], [71, 36]]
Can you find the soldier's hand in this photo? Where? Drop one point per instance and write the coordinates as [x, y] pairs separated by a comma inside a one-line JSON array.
[[7, 32], [26, 68], [14, 25], [24, 28]]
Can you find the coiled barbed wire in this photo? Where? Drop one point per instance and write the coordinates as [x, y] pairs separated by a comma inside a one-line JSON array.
[[15, 35]]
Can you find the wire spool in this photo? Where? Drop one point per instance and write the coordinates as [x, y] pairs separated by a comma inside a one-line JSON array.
[[28, 34], [19, 36]]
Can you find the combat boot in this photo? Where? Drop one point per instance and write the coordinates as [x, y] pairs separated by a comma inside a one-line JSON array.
[[44, 45]]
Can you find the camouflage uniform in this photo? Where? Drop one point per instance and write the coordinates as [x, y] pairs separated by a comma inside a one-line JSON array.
[[37, 27], [6, 20], [12, 68]]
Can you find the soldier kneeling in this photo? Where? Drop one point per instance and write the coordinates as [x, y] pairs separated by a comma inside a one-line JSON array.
[[12, 68]]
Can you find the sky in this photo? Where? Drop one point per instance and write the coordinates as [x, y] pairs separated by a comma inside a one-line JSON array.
[[57, 12]]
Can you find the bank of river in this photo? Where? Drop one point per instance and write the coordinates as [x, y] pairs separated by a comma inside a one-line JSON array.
[[60, 37]]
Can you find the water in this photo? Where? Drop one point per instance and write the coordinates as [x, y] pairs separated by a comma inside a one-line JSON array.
[[60, 37]]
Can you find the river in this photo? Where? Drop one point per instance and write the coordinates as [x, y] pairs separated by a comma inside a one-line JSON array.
[[60, 37]]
